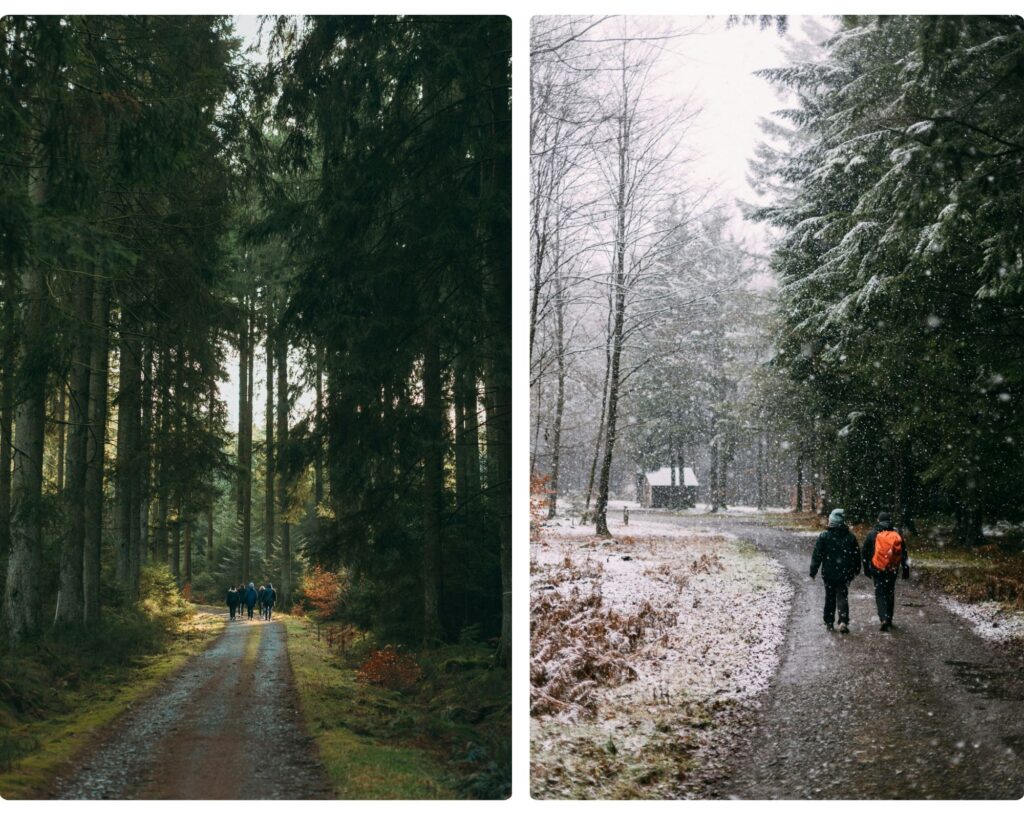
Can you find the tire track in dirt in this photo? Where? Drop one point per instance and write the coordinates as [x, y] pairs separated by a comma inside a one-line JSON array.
[[226, 727]]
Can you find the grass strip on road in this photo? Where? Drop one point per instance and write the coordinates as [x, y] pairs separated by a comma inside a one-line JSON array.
[[342, 715]]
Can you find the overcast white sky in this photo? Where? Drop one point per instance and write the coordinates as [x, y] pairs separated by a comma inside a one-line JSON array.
[[715, 66]]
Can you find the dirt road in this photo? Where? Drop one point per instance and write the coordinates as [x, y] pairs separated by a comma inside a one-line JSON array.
[[225, 727], [929, 710]]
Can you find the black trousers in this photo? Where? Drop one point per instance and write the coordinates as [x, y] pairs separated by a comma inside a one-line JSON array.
[[249, 606], [885, 594], [232, 608], [837, 594]]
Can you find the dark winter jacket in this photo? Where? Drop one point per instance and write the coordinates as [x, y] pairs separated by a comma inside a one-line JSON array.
[[232, 599], [868, 551], [269, 596], [835, 552], [250, 595]]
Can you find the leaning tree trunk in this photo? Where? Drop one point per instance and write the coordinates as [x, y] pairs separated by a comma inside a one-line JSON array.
[[72, 553], [95, 453], [22, 592], [600, 424], [601, 505], [556, 442]]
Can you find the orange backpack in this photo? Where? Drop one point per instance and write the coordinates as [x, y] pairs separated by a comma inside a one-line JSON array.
[[888, 550]]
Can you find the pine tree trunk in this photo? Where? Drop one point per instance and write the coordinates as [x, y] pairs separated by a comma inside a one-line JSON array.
[[247, 499], [269, 432], [244, 453], [127, 424], [499, 452], [282, 443], [176, 545], [145, 456], [318, 460], [60, 414], [72, 552], [10, 348], [188, 552], [95, 452], [162, 535], [713, 476], [800, 484], [21, 598], [211, 552], [433, 487], [760, 472]]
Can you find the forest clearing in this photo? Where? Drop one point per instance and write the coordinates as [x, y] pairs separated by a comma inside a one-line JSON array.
[[255, 333]]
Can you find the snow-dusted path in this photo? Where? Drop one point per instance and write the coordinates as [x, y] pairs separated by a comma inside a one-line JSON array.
[[930, 710]]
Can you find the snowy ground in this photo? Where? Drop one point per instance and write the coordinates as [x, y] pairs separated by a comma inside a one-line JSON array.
[[645, 651], [568, 506], [991, 620]]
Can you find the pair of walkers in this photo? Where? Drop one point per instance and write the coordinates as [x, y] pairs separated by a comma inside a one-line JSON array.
[[882, 556], [242, 597]]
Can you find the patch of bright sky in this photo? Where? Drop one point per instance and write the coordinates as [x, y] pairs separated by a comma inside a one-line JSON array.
[[713, 65], [247, 27]]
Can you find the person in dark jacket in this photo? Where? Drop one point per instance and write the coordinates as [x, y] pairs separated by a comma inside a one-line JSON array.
[[885, 555], [232, 601], [250, 598], [259, 598], [269, 598], [835, 553]]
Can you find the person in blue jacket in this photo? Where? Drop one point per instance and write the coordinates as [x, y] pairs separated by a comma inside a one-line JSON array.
[[250, 598]]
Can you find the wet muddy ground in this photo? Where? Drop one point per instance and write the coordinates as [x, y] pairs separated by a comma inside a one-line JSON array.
[[225, 727], [929, 710]]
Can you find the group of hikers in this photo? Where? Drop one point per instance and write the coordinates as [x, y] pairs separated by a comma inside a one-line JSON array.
[[242, 597], [883, 556]]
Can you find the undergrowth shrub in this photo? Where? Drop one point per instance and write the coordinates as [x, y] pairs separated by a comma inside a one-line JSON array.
[[389, 668]]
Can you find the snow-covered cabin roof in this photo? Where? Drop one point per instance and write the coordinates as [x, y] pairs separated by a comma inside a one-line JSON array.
[[663, 477]]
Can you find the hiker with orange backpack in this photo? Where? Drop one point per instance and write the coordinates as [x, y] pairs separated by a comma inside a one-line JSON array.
[[885, 554]]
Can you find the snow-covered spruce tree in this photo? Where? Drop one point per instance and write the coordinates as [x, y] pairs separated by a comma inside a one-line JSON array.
[[901, 261]]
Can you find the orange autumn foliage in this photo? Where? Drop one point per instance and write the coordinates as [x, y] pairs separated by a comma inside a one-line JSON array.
[[325, 592], [390, 669]]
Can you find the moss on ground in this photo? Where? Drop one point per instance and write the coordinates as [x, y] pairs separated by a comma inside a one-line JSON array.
[[448, 738], [57, 709]]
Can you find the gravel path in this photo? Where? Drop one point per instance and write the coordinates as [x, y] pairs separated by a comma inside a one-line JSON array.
[[929, 710], [226, 727]]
